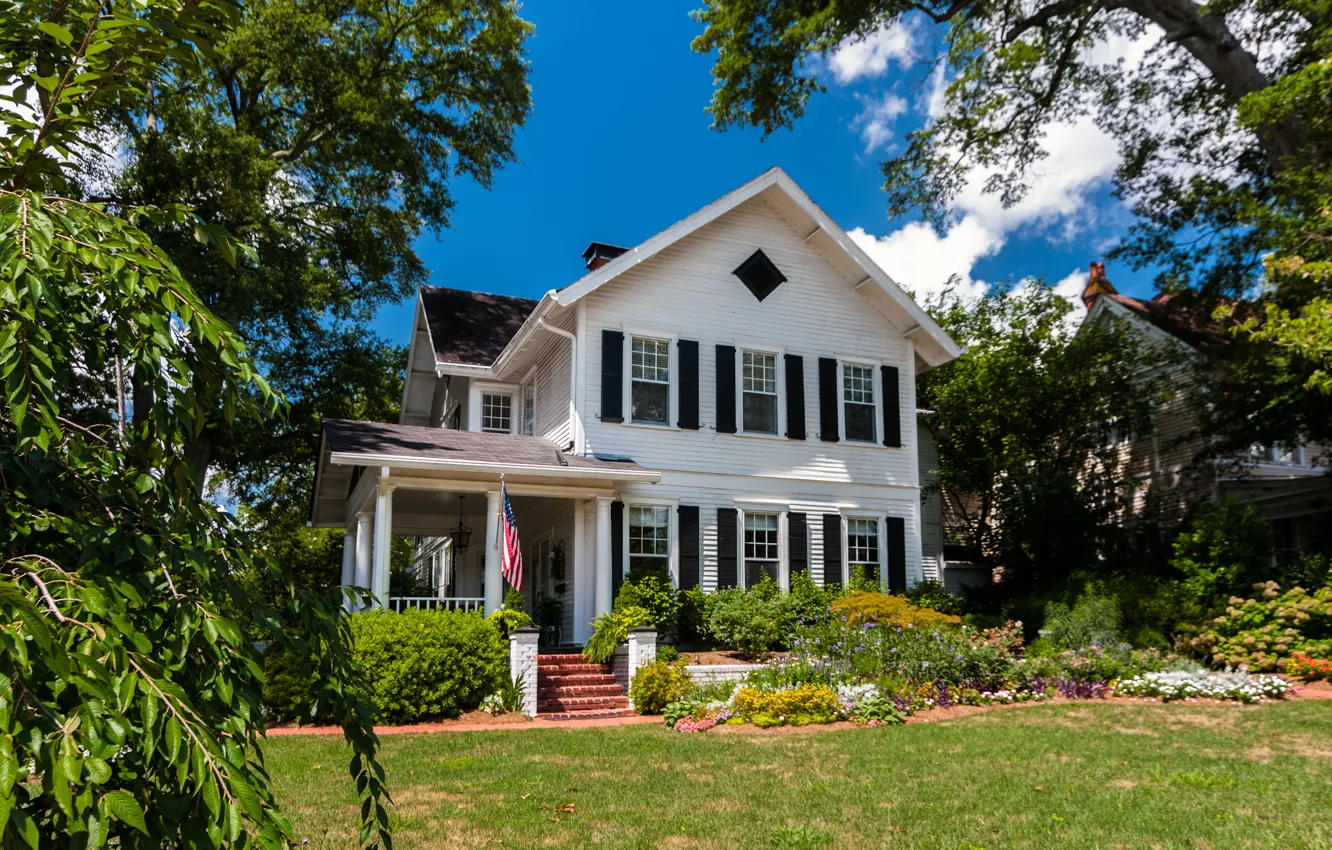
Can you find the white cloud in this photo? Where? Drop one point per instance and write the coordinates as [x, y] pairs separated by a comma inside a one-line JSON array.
[[870, 56], [875, 121], [1070, 288], [923, 261]]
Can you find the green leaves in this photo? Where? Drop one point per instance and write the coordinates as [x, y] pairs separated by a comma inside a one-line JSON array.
[[126, 809]]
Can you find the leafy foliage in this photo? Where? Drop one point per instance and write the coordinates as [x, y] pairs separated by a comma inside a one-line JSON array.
[[1093, 620], [657, 684], [932, 594], [749, 622], [1263, 631], [612, 629], [421, 664], [508, 619], [794, 707], [1226, 548], [880, 608], [656, 595], [130, 706]]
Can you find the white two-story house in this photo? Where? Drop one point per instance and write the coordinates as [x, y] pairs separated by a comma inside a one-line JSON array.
[[732, 398]]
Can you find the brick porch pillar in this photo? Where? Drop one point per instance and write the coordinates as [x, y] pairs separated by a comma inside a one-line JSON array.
[[523, 662]]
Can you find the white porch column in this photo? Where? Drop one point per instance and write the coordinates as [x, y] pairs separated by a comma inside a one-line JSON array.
[[348, 562], [364, 549], [494, 583], [583, 583], [603, 583], [379, 578]]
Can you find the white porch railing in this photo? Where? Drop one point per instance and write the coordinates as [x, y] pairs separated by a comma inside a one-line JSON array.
[[398, 604]]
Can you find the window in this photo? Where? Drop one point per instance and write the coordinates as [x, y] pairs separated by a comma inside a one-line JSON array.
[[650, 375], [650, 539], [759, 386], [496, 413], [761, 551], [529, 409], [858, 401], [862, 544]]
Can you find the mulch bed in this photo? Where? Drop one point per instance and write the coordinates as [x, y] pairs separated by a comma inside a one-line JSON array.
[[713, 657]]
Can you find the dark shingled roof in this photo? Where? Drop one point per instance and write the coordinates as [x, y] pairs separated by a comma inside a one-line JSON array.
[[1185, 315], [472, 327], [417, 442]]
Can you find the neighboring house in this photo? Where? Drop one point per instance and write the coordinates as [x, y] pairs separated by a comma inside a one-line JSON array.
[[1287, 484], [729, 399]]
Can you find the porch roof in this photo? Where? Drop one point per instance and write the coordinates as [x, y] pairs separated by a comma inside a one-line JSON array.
[[346, 445]]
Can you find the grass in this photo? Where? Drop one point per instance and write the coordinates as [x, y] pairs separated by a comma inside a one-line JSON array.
[[1083, 775]]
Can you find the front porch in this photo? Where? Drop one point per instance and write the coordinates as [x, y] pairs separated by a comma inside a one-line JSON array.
[[442, 488]]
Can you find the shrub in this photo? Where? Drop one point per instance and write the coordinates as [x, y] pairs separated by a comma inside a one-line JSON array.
[[809, 602], [1263, 631], [612, 629], [656, 685], [655, 595], [514, 601], [863, 606], [507, 698], [1309, 569], [426, 663], [933, 595], [795, 707], [505, 620], [668, 653], [1309, 668], [1093, 620], [1226, 548], [289, 686], [692, 619], [747, 621]]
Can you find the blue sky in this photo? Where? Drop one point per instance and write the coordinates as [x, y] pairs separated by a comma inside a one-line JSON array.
[[618, 147]]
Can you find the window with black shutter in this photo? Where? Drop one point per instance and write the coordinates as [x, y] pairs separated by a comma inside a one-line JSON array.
[[758, 385], [795, 397], [688, 372], [689, 546], [892, 407], [858, 402], [832, 549], [829, 393], [612, 376], [650, 380], [727, 547], [897, 566], [617, 548], [797, 543], [726, 389]]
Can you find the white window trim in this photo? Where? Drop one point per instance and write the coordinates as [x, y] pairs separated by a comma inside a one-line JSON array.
[[673, 385], [881, 520], [474, 393], [783, 535], [673, 519], [529, 380], [876, 375], [780, 355]]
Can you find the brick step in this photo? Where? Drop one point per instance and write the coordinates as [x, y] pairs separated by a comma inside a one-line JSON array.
[[571, 658], [580, 691], [584, 715], [576, 680], [574, 670], [599, 703]]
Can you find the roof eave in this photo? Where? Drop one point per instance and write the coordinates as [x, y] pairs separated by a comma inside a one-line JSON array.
[[648, 476]]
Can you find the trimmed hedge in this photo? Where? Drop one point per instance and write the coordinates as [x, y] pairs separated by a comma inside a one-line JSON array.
[[420, 664]]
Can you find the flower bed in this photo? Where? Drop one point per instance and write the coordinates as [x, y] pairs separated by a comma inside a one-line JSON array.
[[1185, 685]]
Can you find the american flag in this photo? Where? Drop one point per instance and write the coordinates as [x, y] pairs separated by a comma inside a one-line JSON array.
[[511, 559]]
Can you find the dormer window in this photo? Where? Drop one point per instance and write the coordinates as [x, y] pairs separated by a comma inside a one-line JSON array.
[[497, 413]]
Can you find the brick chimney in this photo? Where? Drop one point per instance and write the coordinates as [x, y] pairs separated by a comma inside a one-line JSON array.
[[599, 254], [1096, 285]]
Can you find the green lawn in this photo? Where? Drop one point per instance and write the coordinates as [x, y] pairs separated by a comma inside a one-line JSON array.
[[1088, 775]]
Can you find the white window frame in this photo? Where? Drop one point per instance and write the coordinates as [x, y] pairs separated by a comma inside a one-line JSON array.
[[529, 383], [673, 376], [780, 358], [479, 389], [880, 529], [673, 549], [876, 375], [782, 510]]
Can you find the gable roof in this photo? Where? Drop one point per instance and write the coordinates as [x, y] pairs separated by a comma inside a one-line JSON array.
[[472, 327], [1186, 316], [933, 345]]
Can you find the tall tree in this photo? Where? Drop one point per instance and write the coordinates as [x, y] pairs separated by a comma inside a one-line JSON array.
[[1224, 127], [1025, 425], [130, 687], [325, 136]]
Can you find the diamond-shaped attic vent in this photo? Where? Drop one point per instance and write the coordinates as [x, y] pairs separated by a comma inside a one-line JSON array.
[[759, 275]]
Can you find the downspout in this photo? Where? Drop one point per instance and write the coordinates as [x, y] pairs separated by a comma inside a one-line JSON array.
[[574, 429]]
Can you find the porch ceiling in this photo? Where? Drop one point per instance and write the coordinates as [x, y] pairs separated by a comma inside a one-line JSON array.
[[440, 455]]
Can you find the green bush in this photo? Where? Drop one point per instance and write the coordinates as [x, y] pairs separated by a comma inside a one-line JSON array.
[[810, 602], [289, 687], [749, 622], [514, 601], [692, 623], [421, 664], [656, 685], [508, 619], [1224, 551], [668, 653], [1264, 630], [612, 629], [933, 595], [1093, 620], [653, 593]]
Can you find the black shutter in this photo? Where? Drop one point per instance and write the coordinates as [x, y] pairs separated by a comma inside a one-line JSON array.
[[797, 543], [617, 549], [897, 578], [689, 548], [612, 376], [828, 395], [892, 407], [795, 396], [727, 547], [832, 549], [688, 367], [726, 389]]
